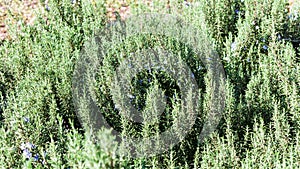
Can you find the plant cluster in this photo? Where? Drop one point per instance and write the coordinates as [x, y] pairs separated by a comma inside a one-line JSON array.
[[257, 42]]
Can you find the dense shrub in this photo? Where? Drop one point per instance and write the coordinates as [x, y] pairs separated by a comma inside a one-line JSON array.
[[257, 42]]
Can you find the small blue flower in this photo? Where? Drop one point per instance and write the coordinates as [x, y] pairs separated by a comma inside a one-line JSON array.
[[36, 157], [186, 3], [141, 81], [265, 47], [116, 107], [236, 11], [131, 96], [200, 67], [279, 37], [192, 75], [47, 8], [30, 146], [233, 46], [22, 146], [27, 154], [293, 16], [130, 100], [26, 119]]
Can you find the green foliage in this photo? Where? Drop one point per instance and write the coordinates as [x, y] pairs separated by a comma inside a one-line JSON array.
[[260, 128]]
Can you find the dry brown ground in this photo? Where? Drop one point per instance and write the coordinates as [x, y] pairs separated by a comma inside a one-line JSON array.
[[18, 9], [24, 10]]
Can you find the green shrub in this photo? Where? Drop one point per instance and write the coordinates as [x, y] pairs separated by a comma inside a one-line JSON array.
[[257, 43]]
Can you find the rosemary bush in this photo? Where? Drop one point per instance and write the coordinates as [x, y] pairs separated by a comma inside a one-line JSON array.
[[256, 40]]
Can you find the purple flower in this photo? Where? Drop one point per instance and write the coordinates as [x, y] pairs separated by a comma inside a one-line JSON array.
[[47, 8], [116, 107], [192, 75], [279, 37], [131, 96], [36, 157], [130, 100], [233, 46], [27, 145], [200, 67], [45, 154], [22, 146], [26, 119], [265, 47], [141, 81], [186, 3], [236, 11], [27, 154], [30, 146], [293, 16]]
